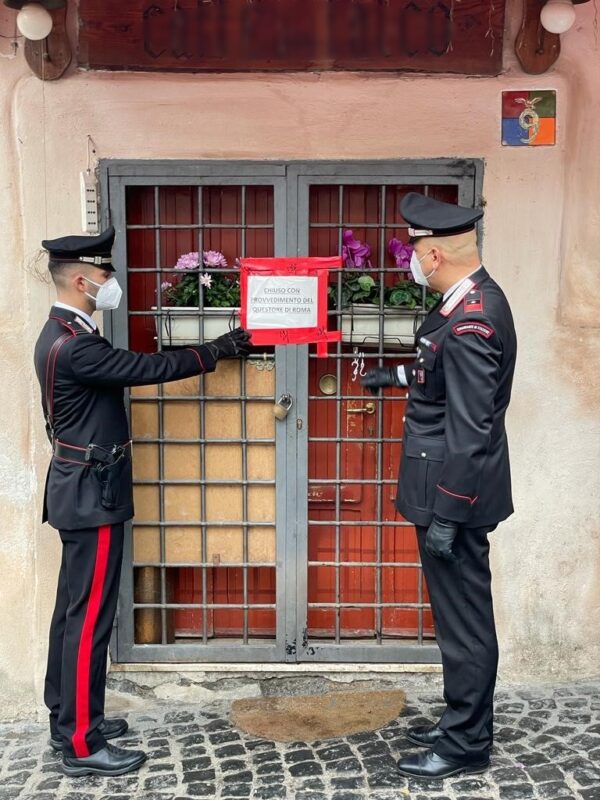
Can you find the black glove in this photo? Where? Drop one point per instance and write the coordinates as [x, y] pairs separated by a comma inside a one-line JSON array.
[[440, 537], [381, 376], [235, 344]]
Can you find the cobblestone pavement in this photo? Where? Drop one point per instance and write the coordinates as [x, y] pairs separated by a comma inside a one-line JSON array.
[[547, 747]]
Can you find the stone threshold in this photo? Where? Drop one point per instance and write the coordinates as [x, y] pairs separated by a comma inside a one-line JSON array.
[[285, 669]]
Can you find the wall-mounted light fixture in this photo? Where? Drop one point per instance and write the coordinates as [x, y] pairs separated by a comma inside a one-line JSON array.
[[558, 16], [538, 42], [34, 22], [43, 24]]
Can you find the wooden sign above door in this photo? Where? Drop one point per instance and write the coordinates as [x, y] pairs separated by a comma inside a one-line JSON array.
[[460, 36]]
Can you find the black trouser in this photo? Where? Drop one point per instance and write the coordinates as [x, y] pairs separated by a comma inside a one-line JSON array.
[[86, 601], [461, 602]]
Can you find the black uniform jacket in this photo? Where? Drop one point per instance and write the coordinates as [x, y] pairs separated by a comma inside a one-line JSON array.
[[83, 379], [455, 462]]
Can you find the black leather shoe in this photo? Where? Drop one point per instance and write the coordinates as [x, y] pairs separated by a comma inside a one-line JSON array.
[[429, 765], [424, 736], [110, 729], [110, 760]]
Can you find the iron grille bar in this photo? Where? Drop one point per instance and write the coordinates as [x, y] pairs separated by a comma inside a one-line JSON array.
[[395, 564], [421, 605], [244, 432], [252, 564], [351, 481], [234, 268], [352, 440], [205, 226], [355, 397], [354, 523], [202, 411], [200, 482], [186, 523], [339, 606], [227, 606], [379, 461], [389, 355], [210, 564], [374, 225], [207, 398], [264, 226], [338, 443], [161, 431], [199, 440]]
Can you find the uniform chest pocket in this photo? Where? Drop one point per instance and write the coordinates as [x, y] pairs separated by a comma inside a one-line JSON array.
[[427, 359], [427, 369]]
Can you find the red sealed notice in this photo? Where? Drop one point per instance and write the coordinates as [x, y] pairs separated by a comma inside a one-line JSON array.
[[284, 300]]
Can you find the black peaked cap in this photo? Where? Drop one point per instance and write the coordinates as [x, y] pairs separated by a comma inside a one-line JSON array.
[[429, 217], [87, 249]]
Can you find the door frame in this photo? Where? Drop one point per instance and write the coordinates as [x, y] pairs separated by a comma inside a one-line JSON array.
[[291, 181]]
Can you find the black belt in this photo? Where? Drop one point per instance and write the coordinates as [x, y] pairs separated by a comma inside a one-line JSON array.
[[92, 454]]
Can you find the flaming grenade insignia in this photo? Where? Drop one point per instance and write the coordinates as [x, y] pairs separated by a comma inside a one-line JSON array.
[[529, 119]]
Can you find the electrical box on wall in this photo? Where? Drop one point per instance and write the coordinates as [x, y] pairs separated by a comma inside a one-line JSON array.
[[89, 202]]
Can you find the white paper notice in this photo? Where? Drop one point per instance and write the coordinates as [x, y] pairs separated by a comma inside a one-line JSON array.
[[282, 302]]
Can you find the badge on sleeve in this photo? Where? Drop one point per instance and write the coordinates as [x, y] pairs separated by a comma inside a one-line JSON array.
[[478, 328]]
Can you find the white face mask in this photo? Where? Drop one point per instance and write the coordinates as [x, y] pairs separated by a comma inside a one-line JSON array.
[[108, 295], [417, 270]]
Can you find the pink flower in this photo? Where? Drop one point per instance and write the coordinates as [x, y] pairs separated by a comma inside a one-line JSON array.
[[206, 280], [401, 253], [188, 261], [354, 252], [213, 258], [166, 285]]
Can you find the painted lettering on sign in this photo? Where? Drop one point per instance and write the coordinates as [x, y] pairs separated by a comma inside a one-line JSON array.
[[243, 35]]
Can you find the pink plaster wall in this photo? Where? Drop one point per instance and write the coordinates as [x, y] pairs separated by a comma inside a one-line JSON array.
[[542, 242]]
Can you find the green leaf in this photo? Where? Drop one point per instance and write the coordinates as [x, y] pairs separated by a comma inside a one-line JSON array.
[[366, 283]]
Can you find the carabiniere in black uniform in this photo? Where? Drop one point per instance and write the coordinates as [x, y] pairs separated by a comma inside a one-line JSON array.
[[455, 475], [88, 498]]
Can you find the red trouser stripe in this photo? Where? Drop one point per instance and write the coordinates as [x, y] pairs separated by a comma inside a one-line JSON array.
[[84, 654]]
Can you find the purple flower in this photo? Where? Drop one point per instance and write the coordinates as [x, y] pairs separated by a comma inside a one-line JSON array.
[[188, 261], [206, 280], [213, 258], [401, 253], [354, 252], [166, 285]]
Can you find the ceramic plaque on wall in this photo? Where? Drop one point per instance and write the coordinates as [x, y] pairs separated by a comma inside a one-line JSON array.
[[529, 118]]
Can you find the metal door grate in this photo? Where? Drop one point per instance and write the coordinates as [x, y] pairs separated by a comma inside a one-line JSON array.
[[363, 596], [200, 578], [241, 583]]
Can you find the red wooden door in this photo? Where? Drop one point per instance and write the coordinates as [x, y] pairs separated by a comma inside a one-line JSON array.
[[344, 559], [370, 567]]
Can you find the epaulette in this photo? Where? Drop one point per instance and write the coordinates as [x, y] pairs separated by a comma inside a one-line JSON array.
[[473, 301]]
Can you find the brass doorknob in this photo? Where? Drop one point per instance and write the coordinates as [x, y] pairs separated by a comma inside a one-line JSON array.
[[368, 408]]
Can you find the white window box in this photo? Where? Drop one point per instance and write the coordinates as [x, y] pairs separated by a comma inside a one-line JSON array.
[[181, 325], [361, 325]]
